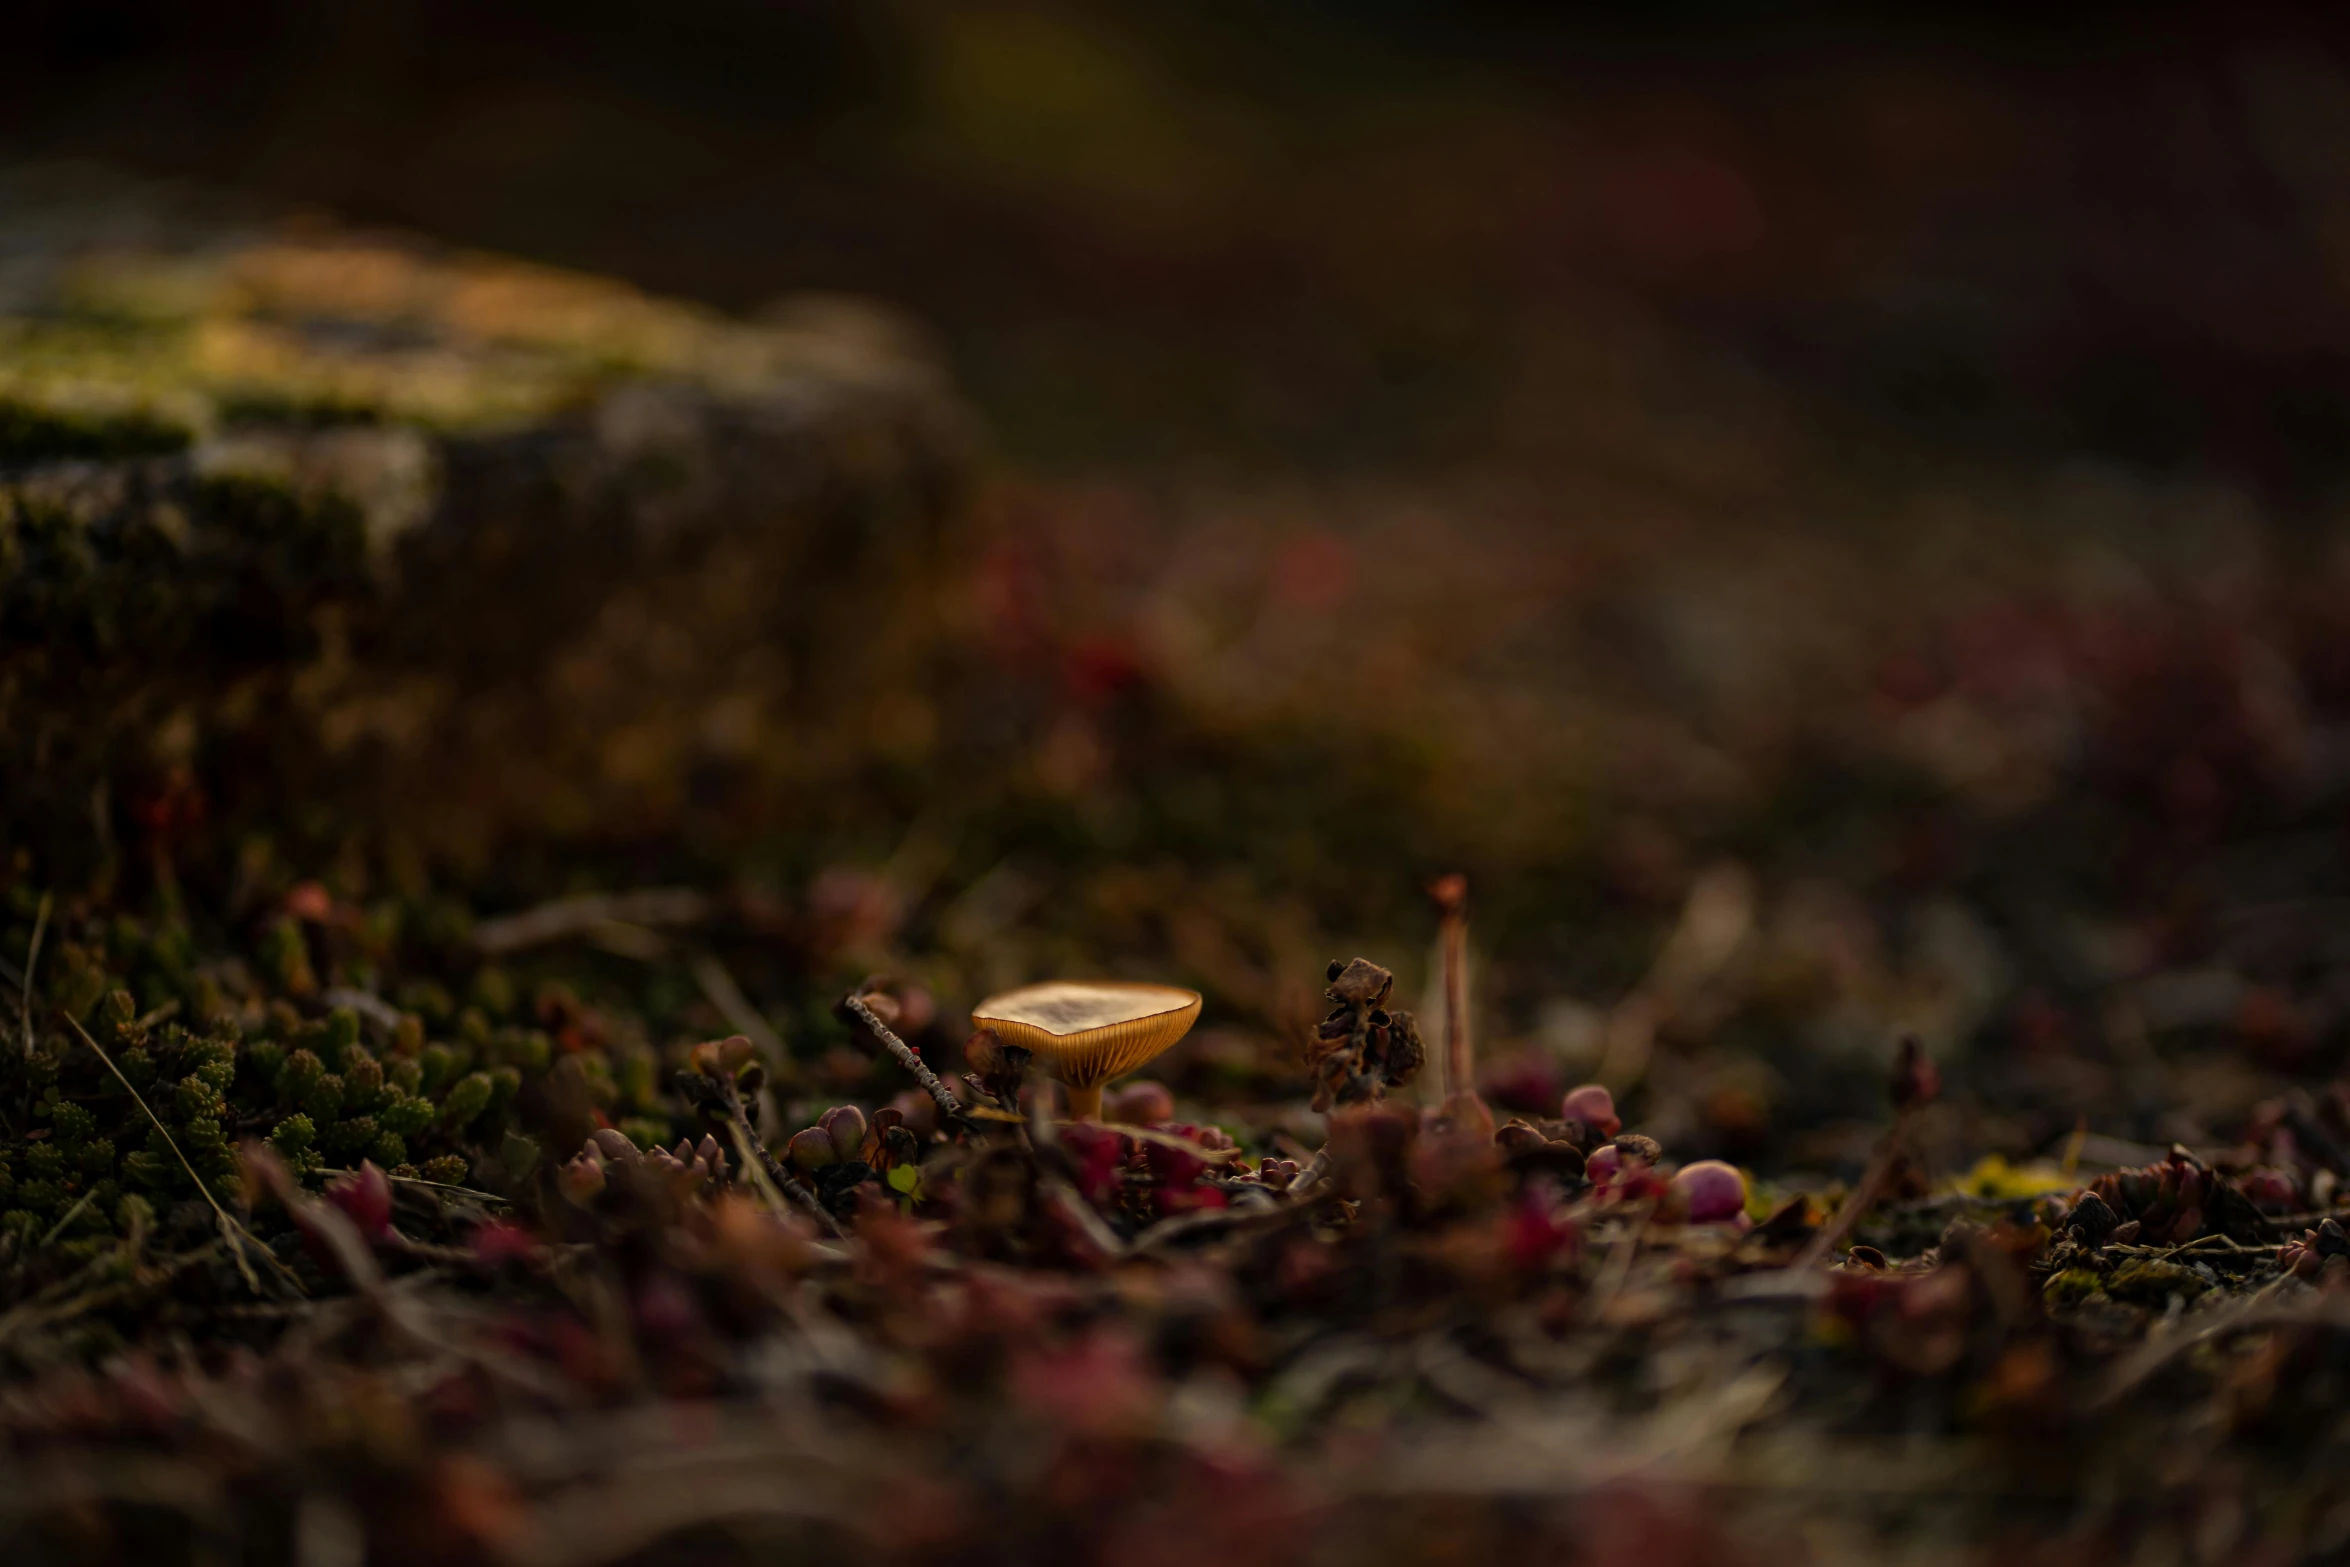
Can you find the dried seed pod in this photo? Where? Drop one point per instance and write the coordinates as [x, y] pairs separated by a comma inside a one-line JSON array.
[[2092, 1220], [1634, 1146], [722, 1057], [1361, 1049], [1359, 983]]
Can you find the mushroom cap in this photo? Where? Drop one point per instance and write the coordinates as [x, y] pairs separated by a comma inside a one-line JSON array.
[[1086, 1032]]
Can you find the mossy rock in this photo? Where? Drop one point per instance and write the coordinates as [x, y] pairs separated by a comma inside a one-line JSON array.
[[287, 506]]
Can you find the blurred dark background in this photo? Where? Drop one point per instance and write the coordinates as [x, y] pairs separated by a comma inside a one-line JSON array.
[[1333, 232]]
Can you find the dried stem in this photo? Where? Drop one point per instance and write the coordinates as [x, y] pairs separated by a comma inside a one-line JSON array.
[[718, 984], [1315, 1172], [940, 1094], [475, 1193], [70, 1215], [722, 1093], [776, 1181], [2150, 1357], [1460, 1055], [32, 960], [565, 917], [1862, 1198]]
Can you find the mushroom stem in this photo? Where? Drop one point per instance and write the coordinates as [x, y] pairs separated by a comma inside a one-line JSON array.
[[1085, 1104]]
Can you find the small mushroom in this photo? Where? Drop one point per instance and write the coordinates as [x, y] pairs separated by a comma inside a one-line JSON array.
[[1086, 1032]]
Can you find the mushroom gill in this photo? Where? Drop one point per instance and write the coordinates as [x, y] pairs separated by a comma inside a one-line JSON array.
[[1086, 1032]]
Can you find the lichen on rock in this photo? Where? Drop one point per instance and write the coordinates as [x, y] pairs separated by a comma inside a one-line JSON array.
[[284, 506]]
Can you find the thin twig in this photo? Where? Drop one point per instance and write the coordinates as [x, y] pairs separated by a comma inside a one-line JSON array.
[[367, 1004], [1210, 1221], [2208, 1245], [1151, 1134], [438, 1186], [234, 1234], [718, 985], [940, 1094], [1460, 1065], [578, 916], [32, 960], [395, 1299], [71, 1214], [1081, 1213], [1315, 1171], [764, 1169], [2281, 1223], [776, 1183], [1862, 1198], [2257, 1312], [1300, 1198], [1618, 1269], [61, 1303]]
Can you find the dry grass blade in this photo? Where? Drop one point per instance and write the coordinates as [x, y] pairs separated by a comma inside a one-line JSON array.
[[2256, 1312], [718, 985], [1217, 1221], [579, 916], [1855, 1207], [67, 1300], [65, 1219], [1315, 1172], [721, 1093], [774, 1182], [1060, 1194], [1451, 894], [1916, 1082], [32, 961], [473, 1192]]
